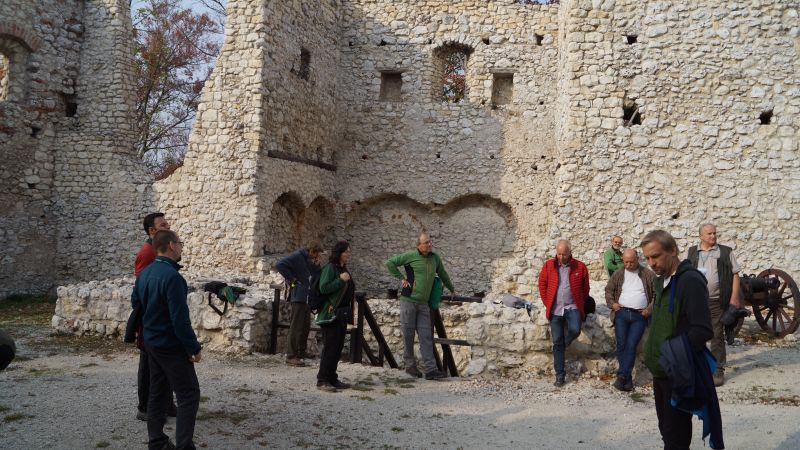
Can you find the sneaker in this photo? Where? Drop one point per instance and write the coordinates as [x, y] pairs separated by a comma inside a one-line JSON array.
[[719, 377], [619, 383], [340, 385], [559, 381], [414, 372], [628, 386], [326, 387], [435, 375], [295, 362], [172, 410], [141, 415]]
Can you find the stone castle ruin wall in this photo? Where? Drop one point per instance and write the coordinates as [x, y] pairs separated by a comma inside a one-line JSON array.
[[70, 185]]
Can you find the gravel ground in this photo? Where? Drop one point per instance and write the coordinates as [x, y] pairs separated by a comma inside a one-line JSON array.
[[74, 393]]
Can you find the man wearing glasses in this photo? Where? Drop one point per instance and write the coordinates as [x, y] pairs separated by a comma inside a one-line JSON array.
[[169, 340], [422, 267]]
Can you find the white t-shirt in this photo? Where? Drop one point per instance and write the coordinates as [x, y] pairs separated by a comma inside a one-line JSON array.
[[633, 294]]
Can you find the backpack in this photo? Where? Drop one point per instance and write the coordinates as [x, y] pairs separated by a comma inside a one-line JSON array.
[[316, 299], [226, 293]]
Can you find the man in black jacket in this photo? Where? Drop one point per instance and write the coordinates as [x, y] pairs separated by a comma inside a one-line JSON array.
[[719, 266], [298, 269], [680, 307]]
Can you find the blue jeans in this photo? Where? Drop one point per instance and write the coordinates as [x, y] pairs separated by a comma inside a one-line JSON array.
[[629, 325], [571, 320]]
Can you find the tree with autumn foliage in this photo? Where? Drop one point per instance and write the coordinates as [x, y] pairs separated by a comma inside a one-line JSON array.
[[174, 51]]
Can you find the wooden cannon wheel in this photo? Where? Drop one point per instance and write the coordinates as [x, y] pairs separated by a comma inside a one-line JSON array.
[[776, 311]]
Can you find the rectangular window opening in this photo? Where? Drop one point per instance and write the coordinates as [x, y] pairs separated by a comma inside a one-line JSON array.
[[391, 87], [502, 89]]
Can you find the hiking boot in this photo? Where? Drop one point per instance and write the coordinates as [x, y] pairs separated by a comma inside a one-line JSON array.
[[326, 387], [628, 386], [619, 383], [340, 385], [414, 372], [295, 362], [719, 377], [168, 445], [172, 410], [141, 415], [559, 381], [435, 375]]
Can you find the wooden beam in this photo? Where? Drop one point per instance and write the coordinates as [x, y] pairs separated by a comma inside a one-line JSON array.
[[302, 160]]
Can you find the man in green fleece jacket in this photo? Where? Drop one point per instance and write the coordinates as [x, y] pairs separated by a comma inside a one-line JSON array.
[[680, 307], [422, 266]]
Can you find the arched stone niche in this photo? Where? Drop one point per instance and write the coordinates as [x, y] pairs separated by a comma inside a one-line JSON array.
[[473, 234], [292, 224], [16, 43]]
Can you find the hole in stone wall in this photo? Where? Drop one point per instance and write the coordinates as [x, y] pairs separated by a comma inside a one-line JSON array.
[[630, 113], [70, 105], [676, 215], [35, 132], [451, 72], [485, 40], [438, 154], [382, 43], [5, 68], [502, 89], [631, 38], [305, 63], [391, 86], [539, 38], [765, 117], [364, 157]]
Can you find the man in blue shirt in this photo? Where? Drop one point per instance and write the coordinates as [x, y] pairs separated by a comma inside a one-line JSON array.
[[170, 342]]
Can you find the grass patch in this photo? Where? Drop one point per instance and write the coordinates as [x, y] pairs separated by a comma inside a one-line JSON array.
[[26, 310], [405, 416], [235, 417], [203, 399], [102, 444], [360, 387], [397, 429], [638, 397], [83, 366], [4, 408], [45, 372], [16, 417], [406, 386], [365, 398], [389, 391]]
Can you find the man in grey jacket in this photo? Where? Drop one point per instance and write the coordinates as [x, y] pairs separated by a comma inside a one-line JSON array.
[[629, 294], [298, 268]]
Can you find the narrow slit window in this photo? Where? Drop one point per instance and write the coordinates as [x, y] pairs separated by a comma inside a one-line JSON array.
[[305, 63], [5, 68], [451, 64]]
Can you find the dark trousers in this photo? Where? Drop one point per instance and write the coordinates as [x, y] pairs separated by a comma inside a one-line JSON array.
[[571, 321], [332, 344], [299, 326], [171, 368], [143, 382], [629, 326], [675, 425]]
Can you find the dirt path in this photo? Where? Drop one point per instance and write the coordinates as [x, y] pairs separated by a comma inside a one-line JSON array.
[[68, 393]]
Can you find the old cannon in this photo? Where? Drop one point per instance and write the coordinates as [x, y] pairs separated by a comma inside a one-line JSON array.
[[773, 294]]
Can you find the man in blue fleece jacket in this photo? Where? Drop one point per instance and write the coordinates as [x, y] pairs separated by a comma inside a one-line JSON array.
[[170, 342]]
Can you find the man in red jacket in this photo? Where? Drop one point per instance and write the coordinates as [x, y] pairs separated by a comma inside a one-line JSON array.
[[563, 288], [153, 223]]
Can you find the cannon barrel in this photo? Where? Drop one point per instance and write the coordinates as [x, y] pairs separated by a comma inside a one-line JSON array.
[[753, 283]]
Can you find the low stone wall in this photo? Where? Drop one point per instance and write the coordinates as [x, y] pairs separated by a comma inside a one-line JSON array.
[[505, 341], [103, 307]]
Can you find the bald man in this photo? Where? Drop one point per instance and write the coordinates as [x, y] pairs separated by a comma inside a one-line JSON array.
[[629, 295], [563, 288]]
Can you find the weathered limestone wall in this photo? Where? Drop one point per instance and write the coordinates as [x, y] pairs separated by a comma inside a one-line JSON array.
[[701, 74], [476, 175], [103, 307], [71, 192]]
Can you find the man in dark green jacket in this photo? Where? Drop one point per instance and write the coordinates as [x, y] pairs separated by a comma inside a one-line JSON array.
[[680, 307], [612, 257], [422, 266], [170, 342]]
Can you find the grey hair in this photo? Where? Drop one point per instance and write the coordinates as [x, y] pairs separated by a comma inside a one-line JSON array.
[[566, 242], [707, 224]]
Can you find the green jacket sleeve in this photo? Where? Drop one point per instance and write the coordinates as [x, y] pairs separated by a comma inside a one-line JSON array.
[[394, 262], [608, 259], [443, 275], [329, 281]]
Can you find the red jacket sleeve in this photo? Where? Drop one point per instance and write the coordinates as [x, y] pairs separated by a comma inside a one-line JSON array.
[[543, 283], [146, 255]]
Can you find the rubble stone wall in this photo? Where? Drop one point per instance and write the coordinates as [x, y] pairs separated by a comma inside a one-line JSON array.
[[71, 192]]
